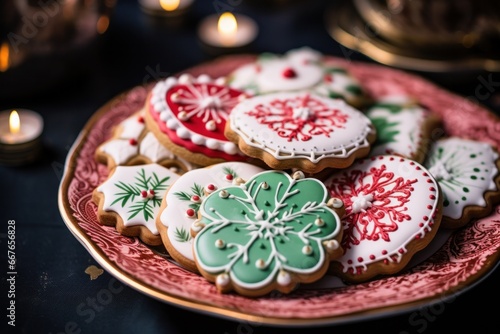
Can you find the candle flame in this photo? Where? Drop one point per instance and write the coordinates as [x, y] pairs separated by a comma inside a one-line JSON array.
[[169, 5], [4, 57], [227, 24], [102, 24], [14, 122]]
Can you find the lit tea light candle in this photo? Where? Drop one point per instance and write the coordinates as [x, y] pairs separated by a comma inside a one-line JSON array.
[[228, 31], [20, 132], [165, 7]]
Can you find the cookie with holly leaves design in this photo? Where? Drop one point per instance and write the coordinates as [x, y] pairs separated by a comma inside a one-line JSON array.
[[468, 173], [302, 69], [180, 206], [133, 144], [273, 232], [188, 116], [130, 200], [403, 127], [300, 131], [393, 210]]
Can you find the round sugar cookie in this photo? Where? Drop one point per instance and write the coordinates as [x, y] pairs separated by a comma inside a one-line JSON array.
[[133, 144], [179, 209], [300, 130], [302, 69], [188, 116], [130, 199], [468, 173], [393, 210], [273, 232]]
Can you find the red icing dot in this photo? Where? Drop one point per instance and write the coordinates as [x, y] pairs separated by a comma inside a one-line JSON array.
[[391, 158], [429, 181], [417, 236], [401, 159], [349, 261], [151, 192], [360, 259], [211, 187], [432, 189], [425, 174], [140, 119], [229, 177], [289, 73], [429, 207], [412, 163], [372, 257], [426, 218], [418, 168], [432, 197], [401, 251], [132, 141], [384, 252], [190, 212], [421, 224], [195, 198], [144, 193]]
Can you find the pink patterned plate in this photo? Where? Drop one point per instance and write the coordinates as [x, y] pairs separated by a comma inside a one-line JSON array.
[[457, 260]]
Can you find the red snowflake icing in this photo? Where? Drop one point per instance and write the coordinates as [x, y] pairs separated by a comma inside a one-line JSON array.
[[299, 118], [387, 210], [203, 107]]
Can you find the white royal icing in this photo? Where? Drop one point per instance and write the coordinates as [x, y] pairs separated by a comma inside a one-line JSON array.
[[127, 180], [465, 170], [327, 139], [403, 128], [297, 70], [174, 214], [390, 201]]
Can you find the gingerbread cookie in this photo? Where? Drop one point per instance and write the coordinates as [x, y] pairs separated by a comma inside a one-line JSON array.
[[300, 130], [468, 173], [403, 127], [130, 200], [272, 232], [188, 116], [393, 210], [302, 69], [180, 206], [133, 144]]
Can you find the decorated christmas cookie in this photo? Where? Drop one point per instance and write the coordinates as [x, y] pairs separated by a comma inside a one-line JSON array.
[[300, 69], [300, 130], [182, 202], [403, 127], [272, 232], [133, 144], [188, 116], [468, 173], [393, 209], [130, 200]]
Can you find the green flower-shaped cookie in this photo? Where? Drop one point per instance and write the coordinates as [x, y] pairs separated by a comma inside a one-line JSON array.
[[268, 233]]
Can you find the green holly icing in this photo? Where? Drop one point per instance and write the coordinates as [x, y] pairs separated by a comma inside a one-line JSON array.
[[182, 235], [271, 223], [386, 131], [196, 190], [142, 196]]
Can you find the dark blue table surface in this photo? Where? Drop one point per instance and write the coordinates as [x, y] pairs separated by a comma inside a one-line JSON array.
[[53, 294]]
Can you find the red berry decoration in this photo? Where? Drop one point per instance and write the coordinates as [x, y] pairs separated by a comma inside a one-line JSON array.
[[229, 177], [289, 73], [195, 198], [132, 141], [144, 194], [190, 212]]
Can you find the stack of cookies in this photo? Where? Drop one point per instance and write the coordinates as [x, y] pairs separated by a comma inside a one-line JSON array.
[[285, 169]]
